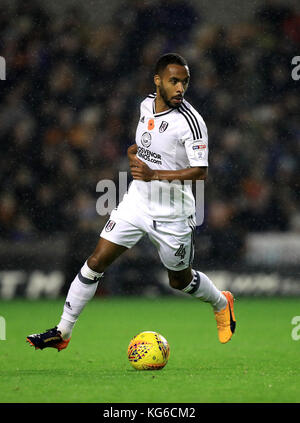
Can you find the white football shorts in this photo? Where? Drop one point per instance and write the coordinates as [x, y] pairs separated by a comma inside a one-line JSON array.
[[174, 240]]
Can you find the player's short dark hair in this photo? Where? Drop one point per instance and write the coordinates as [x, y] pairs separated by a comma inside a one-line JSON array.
[[169, 59]]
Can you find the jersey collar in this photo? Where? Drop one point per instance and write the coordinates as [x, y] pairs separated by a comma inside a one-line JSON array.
[[161, 113]]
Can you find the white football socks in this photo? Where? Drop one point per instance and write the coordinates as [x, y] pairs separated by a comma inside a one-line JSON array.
[[81, 290], [202, 287]]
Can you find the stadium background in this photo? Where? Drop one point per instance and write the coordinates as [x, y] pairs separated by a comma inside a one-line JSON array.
[[76, 73]]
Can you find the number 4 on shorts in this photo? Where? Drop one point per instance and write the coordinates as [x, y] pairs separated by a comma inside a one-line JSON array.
[[181, 252]]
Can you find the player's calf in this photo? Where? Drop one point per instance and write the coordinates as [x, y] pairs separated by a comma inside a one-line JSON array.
[[200, 286], [81, 291]]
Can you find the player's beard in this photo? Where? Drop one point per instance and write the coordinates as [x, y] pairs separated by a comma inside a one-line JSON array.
[[164, 96]]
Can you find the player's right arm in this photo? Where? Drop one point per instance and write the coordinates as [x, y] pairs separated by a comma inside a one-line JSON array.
[[194, 137]]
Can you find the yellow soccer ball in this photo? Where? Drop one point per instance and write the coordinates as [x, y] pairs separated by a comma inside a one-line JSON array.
[[148, 351]]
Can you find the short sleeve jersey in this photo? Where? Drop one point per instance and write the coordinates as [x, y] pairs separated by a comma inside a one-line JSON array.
[[170, 140]]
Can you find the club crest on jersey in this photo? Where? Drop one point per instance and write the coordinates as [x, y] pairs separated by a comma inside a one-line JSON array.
[[146, 139], [163, 126], [110, 225]]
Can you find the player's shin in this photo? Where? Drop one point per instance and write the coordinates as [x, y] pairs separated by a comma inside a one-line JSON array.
[[81, 290], [203, 288]]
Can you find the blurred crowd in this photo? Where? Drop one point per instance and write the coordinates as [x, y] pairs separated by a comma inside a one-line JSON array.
[[70, 105]]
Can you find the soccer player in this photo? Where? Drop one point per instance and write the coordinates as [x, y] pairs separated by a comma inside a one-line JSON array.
[[171, 147]]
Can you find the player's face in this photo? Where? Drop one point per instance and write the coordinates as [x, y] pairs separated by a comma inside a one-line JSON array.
[[172, 84]]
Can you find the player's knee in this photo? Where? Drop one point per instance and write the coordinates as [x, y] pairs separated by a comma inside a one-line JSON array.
[[95, 263]]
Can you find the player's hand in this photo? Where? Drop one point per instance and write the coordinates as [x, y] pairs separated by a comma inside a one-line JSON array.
[[141, 171], [131, 154]]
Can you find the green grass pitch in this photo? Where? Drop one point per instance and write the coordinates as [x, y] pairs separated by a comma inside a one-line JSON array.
[[259, 364]]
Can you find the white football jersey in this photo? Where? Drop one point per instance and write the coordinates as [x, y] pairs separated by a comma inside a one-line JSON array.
[[170, 140]]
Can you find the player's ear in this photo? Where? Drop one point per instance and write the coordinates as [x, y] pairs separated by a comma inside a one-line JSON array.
[[157, 80]]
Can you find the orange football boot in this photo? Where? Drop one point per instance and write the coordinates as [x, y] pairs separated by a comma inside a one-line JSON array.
[[225, 318]]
